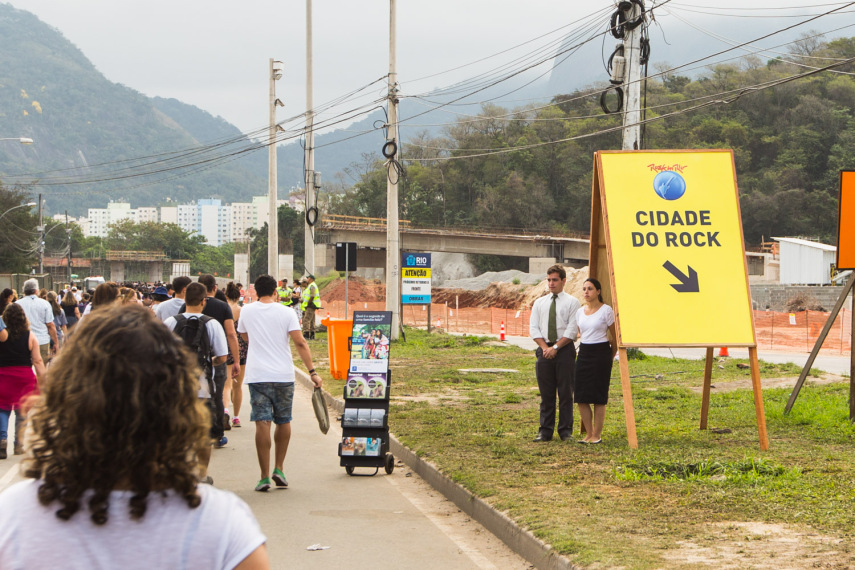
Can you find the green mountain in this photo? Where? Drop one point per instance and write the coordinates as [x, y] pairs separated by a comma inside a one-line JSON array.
[[89, 131]]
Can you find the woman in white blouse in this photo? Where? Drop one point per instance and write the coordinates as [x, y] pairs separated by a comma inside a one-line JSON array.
[[597, 350]]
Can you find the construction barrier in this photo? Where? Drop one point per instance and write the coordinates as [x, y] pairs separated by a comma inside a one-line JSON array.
[[792, 332]]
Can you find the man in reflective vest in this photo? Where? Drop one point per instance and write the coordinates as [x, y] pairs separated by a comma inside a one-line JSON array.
[[284, 293], [311, 301]]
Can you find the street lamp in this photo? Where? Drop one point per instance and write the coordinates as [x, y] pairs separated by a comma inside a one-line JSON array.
[[22, 140], [27, 205], [276, 71]]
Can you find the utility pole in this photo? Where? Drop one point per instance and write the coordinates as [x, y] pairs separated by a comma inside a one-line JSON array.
[[309, 238], [272, 215], [393, 244], [41, 230], [632, 81]]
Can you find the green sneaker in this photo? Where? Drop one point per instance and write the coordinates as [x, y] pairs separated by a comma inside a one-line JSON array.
[[263, 485], [279, 478]]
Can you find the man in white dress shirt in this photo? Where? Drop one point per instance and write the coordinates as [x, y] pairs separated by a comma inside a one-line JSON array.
[[553, 327]]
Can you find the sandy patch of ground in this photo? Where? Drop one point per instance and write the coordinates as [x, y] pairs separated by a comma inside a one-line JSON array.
[[785, 382], [761, 545]]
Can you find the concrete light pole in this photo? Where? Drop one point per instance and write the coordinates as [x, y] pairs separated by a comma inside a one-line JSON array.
[[632, 82], [393, 243], [309, 240], [272, 218]]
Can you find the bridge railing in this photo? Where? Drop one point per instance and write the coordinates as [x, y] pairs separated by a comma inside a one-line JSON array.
[[339, 221]]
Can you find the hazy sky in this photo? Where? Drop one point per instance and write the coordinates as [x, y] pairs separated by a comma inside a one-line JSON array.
[[214, 54]]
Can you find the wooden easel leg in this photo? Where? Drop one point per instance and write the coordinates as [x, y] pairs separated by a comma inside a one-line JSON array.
[[758, 397], [821, 339], [628, 410], [705, 399]]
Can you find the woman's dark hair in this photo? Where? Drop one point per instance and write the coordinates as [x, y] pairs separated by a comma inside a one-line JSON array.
[[6, 297], [128, 389], [221, 296], [597, 286], [232, 292], [16, 320], [105, 293]]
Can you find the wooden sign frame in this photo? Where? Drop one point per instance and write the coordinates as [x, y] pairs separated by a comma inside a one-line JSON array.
[[601, 266]]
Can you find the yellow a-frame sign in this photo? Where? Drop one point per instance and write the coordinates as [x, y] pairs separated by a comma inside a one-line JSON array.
[[667, 246]]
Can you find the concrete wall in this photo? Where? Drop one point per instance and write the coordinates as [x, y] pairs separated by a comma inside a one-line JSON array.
[[775, 297]]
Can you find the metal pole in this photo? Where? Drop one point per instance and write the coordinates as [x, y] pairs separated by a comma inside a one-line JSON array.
[[632, 84], [68, 237], [272, 219], [393, 244], [346, 277], [41, 229], [309, 239]]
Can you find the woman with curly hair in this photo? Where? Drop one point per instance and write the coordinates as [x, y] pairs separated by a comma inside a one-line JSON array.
[[19, 353], [112, 461]]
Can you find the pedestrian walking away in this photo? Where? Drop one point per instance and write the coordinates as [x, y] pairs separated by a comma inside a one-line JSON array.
[[205, 337], [19, 354], [117, 486], [311, 301], [268, 326], [40, 316], [553, 328], [221, 311]]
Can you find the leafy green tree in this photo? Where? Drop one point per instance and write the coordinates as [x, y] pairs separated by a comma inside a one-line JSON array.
[[18, 235]]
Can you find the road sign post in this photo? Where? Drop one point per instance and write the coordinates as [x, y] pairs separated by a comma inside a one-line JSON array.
[[667, 244]]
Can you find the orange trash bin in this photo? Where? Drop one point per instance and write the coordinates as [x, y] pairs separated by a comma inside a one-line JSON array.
[[338, 337]]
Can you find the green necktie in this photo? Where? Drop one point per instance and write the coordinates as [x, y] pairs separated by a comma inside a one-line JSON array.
[[552, 328]]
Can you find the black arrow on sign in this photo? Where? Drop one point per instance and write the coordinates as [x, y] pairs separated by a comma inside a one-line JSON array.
[[688, 284]]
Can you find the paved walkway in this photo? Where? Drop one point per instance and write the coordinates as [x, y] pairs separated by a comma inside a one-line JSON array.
[[382, 521]]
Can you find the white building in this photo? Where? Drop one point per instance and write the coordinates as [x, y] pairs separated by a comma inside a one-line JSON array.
[[169, 214], [805, 262], [145, 214], [101, 218], [243, 219]]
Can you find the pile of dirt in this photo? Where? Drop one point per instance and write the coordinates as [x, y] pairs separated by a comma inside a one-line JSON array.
[[358, 289], [498, 294]]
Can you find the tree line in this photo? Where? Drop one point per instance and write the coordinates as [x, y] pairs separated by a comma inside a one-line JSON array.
[[789, 143]]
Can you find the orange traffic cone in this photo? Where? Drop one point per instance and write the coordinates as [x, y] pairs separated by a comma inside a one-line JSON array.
[[502, 332], [439, 322], [328, 315], [723, 351]]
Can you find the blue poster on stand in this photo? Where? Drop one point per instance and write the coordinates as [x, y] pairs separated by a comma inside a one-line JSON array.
[[415, 278]]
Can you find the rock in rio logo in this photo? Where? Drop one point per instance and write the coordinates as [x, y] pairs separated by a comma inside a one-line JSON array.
[[669, 185]]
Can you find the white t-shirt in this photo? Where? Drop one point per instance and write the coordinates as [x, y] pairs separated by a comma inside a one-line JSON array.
[[268, 326], [168, 308], [219, 533], [595, 328], [219, 346]]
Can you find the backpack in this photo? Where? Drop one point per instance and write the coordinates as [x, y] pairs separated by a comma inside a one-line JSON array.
[[194, 333]]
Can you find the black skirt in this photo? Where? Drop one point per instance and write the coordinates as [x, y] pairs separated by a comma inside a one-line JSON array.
[[593, 373]]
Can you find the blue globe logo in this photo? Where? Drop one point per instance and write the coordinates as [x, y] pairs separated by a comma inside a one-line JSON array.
[[669, 185]]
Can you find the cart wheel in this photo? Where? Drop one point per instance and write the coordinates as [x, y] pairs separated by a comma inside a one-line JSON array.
[[390, 463], [349, 469]]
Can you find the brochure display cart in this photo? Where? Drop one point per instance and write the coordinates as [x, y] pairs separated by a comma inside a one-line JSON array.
[[365, 421]]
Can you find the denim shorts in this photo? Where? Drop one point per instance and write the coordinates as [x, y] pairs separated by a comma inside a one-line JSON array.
[[271, 401]]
